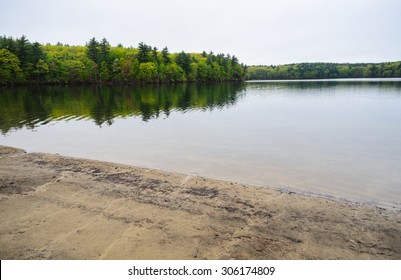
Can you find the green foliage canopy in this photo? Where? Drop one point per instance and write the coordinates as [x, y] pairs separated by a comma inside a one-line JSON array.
[[325, 71], [98, 62]]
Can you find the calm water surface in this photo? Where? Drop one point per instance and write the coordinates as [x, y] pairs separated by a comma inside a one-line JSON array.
[[339, 138]]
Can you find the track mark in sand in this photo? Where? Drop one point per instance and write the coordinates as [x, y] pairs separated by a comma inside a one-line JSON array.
[[61, 237], [31, 216], [112, 203], [41, 188], [64, 236], [186, 179], [106, 251], [51, 215]]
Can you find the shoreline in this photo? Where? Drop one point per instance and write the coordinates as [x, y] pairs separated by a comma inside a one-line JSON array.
[[286, 189], [56, 207]]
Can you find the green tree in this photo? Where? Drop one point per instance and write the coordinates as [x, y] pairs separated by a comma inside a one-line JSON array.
[[143, 52], [155, 57], [93, 52], [174, 73], [184, 61], [23, 50], [42, 69], [216, 71], [148, 72], [37, 53], [104, 50], [126, 69], [75, 71], [204, 71], [116, 69], [166, 55], [193, 73], [9, 44], [104, 72], [10, 71], [238, 72]]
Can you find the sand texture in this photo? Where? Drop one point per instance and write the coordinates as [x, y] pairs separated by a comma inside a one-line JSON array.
[[55, 207]]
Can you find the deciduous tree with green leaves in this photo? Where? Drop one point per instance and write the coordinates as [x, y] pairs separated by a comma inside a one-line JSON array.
[[10, 72]]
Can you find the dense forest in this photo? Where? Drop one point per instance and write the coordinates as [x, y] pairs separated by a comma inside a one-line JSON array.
[[325, 71], [23, 62]]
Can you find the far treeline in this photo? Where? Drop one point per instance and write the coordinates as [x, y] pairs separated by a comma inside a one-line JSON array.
[[325, 71], [23, 62]]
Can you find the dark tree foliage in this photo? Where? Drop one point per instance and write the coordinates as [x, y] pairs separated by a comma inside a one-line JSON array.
[[93, 50], [8, 43], [36, 53], [104, 50], [23, 51], [210, 58], [166, 55], [184, 61], [28, 54], [144, 50], [155, 57]]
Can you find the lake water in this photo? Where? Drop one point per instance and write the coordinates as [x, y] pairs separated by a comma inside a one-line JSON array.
[[339, 138]]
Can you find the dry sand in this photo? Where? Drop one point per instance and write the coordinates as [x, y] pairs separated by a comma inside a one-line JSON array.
[[55, 207]]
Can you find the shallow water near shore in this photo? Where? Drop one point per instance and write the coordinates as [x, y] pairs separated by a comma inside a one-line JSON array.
[[337, 138]]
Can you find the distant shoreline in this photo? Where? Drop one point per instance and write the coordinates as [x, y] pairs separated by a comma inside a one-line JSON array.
[[396, 79], [302, 71], [55, 207]]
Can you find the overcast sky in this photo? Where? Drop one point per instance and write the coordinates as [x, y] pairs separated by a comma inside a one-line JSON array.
[[256, 31]]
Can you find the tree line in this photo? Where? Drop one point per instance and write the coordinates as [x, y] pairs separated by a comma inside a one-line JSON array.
[[23, 62], [325, 71]]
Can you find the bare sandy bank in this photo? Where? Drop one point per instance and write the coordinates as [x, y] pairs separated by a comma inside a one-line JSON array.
[[55, 207]]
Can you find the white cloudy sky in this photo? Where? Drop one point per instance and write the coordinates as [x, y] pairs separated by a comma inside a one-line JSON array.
[[256, 31]]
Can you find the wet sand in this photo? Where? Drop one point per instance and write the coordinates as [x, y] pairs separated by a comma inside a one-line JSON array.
[[56, 207]]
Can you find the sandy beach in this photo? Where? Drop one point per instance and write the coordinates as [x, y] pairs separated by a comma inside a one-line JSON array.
[[56, 207]]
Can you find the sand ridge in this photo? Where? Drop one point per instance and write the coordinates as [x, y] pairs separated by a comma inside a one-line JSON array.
[[56, 207]]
